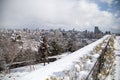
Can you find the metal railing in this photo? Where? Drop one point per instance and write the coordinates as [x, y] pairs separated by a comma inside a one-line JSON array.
[[98, 66]]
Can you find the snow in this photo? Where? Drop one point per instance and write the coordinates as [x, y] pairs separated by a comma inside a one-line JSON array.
[[16, 73], [30, 44], [62, 64], [19, 72], [75, 64], [117, 68]]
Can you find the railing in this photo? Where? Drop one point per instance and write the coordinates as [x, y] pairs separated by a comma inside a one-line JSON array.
[[99, 65]]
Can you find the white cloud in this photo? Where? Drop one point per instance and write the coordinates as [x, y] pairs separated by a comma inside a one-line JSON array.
[[66, 12]]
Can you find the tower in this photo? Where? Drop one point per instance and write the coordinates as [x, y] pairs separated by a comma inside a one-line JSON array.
[[96, 30]]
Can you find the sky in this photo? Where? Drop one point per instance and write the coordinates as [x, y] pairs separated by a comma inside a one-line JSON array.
[[65, 14]]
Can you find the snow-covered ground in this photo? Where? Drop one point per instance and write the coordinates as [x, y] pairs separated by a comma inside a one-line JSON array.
[[61, 65], [16, 73], [20, 72], [117, 68], [65, 66]]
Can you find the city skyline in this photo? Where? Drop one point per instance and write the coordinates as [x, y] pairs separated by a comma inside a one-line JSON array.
[[65, 14]]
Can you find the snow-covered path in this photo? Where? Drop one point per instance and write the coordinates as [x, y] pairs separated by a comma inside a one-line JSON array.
[[117, 70]]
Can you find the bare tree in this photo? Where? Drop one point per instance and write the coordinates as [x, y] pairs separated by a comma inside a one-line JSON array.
[[29, 57], [9, 51]]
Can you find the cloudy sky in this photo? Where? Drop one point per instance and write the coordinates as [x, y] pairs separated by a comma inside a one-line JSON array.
[[66, 14]]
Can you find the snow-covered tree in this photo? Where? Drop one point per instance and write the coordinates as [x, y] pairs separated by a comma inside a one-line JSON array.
[[9, 51], [56, 49], [71, 45], [43, 51]]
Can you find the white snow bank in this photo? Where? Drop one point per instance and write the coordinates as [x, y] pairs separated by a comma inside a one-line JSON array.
[[117, 45], [117, 52], [117, 70], [61, 64]]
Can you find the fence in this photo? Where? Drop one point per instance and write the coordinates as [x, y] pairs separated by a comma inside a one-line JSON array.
[[104, 63]]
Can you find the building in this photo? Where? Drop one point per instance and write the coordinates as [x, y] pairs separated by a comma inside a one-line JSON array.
[[96, 30], [98, 34]]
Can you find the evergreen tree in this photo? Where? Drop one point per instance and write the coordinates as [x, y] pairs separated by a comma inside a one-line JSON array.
[[56, 49], [43, 50], [71, 46]]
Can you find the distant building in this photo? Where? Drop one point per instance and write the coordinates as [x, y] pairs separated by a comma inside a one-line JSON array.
[[107, 32], [98, 34], [96, 30]]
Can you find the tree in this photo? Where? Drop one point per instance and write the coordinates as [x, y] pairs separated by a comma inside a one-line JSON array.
[[55, 48], [71, 45], [9, 51], [43, 51]]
